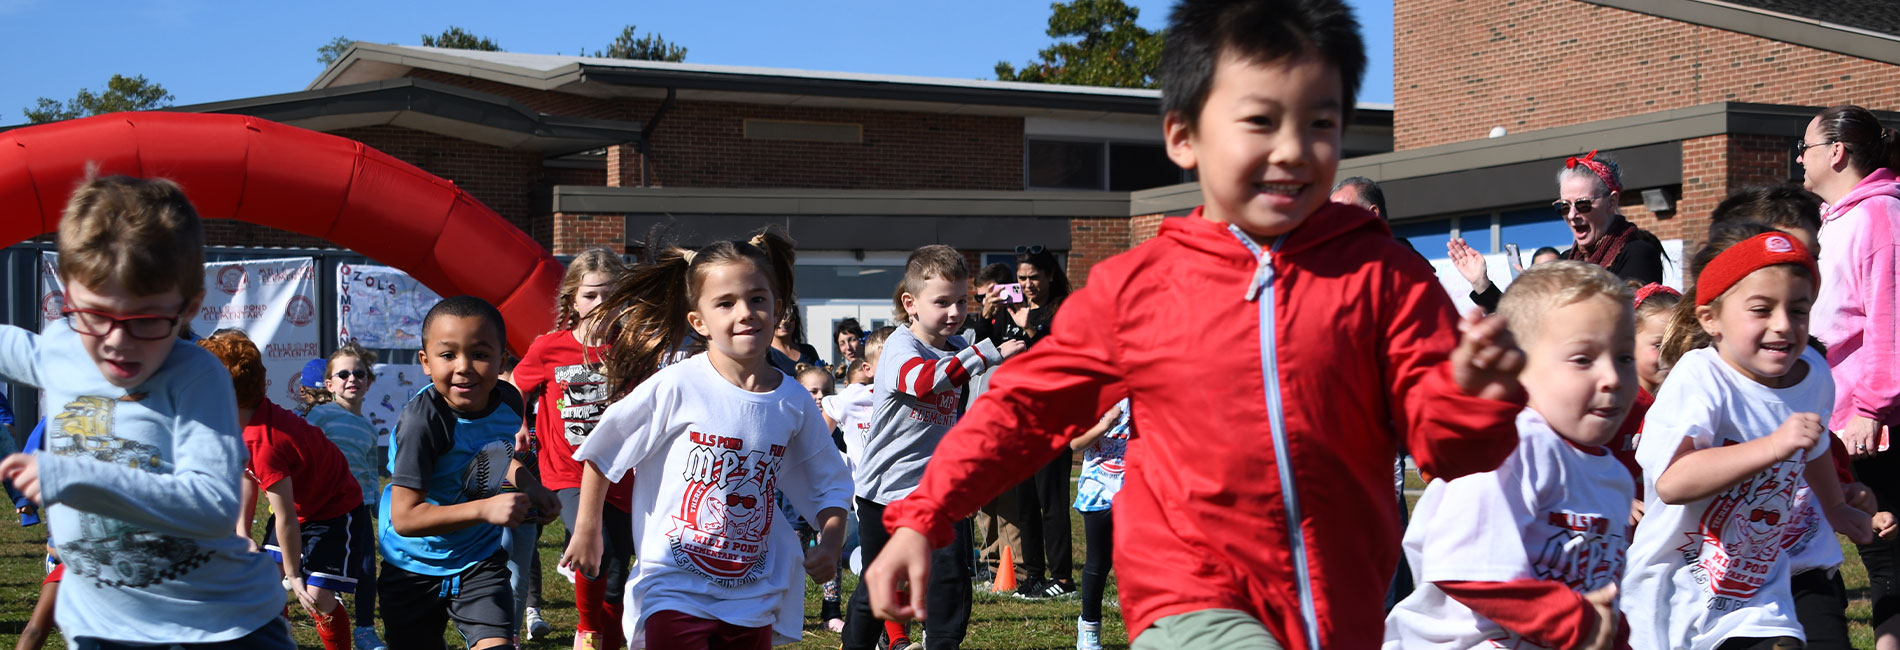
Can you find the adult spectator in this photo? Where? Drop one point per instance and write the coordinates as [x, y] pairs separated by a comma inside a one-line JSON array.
[[1364, 192], [1545, 254], [996, 522], [1589, 193], [789, 340], [1849, 159], [849, 337]]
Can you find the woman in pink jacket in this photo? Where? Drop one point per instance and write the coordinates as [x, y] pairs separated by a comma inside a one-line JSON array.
[[1850, 160]]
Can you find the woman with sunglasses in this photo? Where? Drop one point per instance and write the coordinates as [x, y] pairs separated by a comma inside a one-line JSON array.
[[1849, 159], [1589, 193], [337, 409]]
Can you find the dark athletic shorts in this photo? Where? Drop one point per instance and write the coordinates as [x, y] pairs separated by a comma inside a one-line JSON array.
[[330, 548], [416, 607]]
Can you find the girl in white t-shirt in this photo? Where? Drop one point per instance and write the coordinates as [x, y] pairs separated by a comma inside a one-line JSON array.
[[1730, 440], [707, 440]]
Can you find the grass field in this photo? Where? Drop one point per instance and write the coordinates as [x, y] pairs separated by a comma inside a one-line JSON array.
[[997, 621]]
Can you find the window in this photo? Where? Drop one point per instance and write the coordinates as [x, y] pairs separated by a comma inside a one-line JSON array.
[[1533, 228], [1084, 165], [1140, 166], [1065, 165], [1429, 237], [847, 281]]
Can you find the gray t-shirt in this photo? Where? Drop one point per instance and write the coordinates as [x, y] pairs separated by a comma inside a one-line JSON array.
[[141, 489], [917, 395]]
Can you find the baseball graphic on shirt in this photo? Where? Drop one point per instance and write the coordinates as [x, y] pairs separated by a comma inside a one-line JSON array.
[[1741, 533], [487, 470], [724, 522]]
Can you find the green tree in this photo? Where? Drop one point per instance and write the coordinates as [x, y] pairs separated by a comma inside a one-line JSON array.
[[334, 49], [1098, 44], [642, 48], [122, 94], [457, 38]]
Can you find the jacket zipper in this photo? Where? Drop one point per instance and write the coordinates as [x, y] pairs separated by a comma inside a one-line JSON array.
[[1261, 291]]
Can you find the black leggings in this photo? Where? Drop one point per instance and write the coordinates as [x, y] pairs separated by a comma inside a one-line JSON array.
[[1099, 529], [1882, 558], [949, 592], [1820, 603], [1048, 544]]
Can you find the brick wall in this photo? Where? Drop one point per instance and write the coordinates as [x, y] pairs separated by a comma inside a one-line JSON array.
[[1712, 168], [573, 233], [702, 144], [1091, 241], [1143, 228], [1464, 66]]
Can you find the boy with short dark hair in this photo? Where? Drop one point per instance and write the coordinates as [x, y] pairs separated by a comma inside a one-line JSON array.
[[139, 475], [450, 463], [1257, 507], [921, 372]]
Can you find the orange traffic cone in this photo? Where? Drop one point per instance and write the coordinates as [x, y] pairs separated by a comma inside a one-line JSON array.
[[1005, 573]]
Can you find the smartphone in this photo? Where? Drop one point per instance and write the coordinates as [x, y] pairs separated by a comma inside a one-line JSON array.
[[1011, 293], [1516, 262]]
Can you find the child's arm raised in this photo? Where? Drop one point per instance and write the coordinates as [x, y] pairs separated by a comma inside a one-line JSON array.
[[1452, 383], [922, 377], [19, 355], [1711, 470], [421, 436]]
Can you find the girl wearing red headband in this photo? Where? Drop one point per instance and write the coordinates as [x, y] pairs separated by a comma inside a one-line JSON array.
[[1740, 418], [1654, 303]]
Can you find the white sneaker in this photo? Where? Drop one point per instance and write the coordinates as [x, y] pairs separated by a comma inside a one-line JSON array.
[[365, 639], [533, 627], [1088, 636], [565, 573]]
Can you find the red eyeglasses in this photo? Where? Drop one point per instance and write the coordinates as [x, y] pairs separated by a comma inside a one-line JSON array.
[[144, 327], [1773, 518], [733, 500]]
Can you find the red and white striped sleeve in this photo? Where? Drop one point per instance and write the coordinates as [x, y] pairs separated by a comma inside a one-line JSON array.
[[922, 377]]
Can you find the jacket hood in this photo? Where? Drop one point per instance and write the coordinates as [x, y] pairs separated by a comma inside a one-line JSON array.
[[1332, 221], [1880, 183]]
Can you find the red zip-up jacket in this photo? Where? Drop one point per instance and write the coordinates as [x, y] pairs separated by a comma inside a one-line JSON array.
[[1356, 333]]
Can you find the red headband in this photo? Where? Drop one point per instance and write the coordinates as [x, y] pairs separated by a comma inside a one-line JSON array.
[[1602, 170], [1751, 255], [1651, 289]]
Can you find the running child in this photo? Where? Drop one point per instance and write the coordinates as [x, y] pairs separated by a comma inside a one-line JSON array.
[[1738, 427], [1104, 450], [562, 372], [139, 477], [1655, 303], [705, 442], [336, 407], [313, 533], [1527, 555], [1314, 341], [444, 508]]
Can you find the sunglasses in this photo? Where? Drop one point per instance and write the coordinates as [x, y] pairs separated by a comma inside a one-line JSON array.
[[347, 374], [144, 327], [1770, 516], [1802, 147], [733, 500], [1033, 249], [1583, 206]]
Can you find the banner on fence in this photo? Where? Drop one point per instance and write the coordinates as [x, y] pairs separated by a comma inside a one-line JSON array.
[[380, 307]]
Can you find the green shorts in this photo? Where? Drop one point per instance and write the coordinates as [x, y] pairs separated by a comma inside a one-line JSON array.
[[1207, 629]]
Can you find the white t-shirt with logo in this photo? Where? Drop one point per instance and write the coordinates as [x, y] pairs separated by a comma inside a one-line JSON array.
[[706, 456], [1718, 568], [1551, 511], [851, 408]]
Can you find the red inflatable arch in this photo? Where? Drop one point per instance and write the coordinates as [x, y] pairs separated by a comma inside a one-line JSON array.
[[262, 172]]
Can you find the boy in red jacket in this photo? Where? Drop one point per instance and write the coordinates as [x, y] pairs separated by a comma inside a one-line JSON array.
[[1259, 504]]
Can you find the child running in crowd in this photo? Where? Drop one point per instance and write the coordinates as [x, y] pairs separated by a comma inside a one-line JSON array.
[[1103, 448], [313, 533], [852, 407], [920, 377], [139, 478], [444, 509], [1259, 505], [818, 382], [337, 408], [705, 442], [1738, 425], [1528, 555], [561, 373], [1654, 303]]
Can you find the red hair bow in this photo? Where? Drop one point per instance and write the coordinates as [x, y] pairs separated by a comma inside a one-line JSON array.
[[1589, 160]]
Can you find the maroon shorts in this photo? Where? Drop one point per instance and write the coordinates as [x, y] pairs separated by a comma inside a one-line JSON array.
[[670, 630]]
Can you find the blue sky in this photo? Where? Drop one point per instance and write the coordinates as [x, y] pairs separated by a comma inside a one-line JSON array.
[[206, 51]]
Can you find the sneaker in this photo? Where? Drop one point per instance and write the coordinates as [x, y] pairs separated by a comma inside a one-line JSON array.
[[1033, 589], [565, 573], [1088, 636], [984, 576], [834, 618], [587, 641], [533, 626], [1058, 589], [365, 639]]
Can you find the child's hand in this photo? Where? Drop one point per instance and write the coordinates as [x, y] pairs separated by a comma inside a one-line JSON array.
[[1011, 348], [821, 561], [583, 554], [1799, 433], [506, 509], [1636, 512], [1604, 602], [1848, 520], [1857, 494], [903, 564], [1486, 362], [23, 471], [542, 502], [1885, 525], [303, 593]]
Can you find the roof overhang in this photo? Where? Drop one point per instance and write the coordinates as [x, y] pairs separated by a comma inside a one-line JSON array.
[[1771, 25], [432, 107]]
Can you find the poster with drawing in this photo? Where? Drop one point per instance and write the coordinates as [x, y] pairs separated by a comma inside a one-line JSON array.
[[380, 307], [383, 402]]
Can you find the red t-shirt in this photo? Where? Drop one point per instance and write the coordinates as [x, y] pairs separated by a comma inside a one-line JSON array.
[[284, 446], [573, 395]]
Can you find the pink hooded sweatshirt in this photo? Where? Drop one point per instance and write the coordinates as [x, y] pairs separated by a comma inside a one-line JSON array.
[[1857, 313]]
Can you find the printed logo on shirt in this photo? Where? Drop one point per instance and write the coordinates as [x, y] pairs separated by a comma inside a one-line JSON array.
[[725, 517], [1585, 552], [583, 399], [1806, 523], [1740, 536], [939, 409], [485, 472], [108, 551]]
